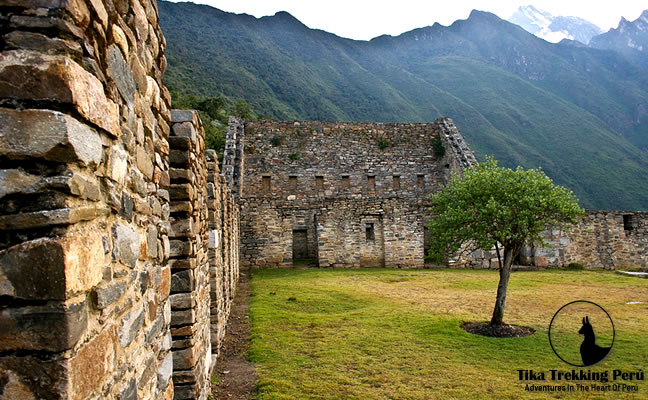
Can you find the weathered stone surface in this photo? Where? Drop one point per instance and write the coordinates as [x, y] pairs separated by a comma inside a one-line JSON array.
[[64, 216], [100, 10], [130, 325], [39, 42], [178, 116], [185, 358], [91, 364], [121, 74], [52, 328], [183, 300], [120, 39], [183, 317], [130, 391], [182, 281], [186, 130], [144, 162], [31, 377], [32, 75], [117, 164], [49, 135], [109, 293], [17, 181], [165, 370], [65, 266], [126, 245]]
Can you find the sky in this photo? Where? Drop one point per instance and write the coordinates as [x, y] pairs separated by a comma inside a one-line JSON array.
[[363, 20]]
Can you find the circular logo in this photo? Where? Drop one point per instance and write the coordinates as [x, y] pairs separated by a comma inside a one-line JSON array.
[[581, 333]]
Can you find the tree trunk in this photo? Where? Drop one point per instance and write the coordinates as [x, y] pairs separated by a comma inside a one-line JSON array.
[[505, 274]]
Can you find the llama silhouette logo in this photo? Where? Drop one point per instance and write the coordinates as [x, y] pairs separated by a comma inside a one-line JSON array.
[[581, 333]]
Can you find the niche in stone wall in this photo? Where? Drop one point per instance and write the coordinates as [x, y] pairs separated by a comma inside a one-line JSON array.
[[346, 182], [396, 182], [628, 223], [266, 184], [371, 183], [420, 181], [372, 244]]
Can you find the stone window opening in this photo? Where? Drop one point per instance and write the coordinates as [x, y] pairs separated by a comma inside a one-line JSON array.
[[346, 182], [292, 182], [370, 234], [396, 182], [628, 223], [319, 182], [420, 181], [266, 184], [371, 183]]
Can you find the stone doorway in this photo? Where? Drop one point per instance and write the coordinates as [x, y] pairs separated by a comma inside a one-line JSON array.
[[300, 244]]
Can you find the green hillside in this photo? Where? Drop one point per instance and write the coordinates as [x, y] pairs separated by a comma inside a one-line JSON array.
[[568, 109]]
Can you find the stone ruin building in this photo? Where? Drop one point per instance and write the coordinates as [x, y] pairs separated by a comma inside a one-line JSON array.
[[120, 240], [338, 194]]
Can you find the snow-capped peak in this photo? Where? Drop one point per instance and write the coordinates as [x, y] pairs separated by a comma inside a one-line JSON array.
[[553, 29]]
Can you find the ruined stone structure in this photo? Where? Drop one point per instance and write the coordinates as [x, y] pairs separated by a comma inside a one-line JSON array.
[[338, 194], [602, 240], [118, 237]]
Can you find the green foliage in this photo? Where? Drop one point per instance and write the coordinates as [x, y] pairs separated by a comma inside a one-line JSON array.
[[574, 266], [490, 205], [383, 144], [275, 141], [213, 115], [437, 146], [242, 110], [293, 156]]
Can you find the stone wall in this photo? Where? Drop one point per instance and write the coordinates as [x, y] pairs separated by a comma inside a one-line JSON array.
[[341, 194], [602, 240], [99, 220]]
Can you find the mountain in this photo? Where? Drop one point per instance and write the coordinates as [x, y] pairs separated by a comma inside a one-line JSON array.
[[570, 109], [629, 38], [554, 29]]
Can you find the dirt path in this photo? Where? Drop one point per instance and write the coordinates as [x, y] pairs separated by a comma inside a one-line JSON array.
[[235, 375]]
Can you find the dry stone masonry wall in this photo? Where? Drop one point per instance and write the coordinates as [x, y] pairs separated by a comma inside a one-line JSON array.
[[100, 221], [602, 240], [339, 194]]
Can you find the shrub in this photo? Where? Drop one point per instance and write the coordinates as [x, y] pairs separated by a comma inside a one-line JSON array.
[[575, 266], [294, 156], [383, 143], [275, 141], [437, 146]]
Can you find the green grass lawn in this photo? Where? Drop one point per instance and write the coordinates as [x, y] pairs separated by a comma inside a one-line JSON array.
[[395, 334]]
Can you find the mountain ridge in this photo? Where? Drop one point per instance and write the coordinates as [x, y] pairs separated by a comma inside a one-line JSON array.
[[506, 100]]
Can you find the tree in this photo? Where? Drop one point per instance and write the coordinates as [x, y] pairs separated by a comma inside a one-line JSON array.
[[242, 110], [491, 206]]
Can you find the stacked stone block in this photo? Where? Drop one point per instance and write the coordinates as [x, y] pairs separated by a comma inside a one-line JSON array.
[[84, 310], [189, 239], [92, 225], [223, 253]]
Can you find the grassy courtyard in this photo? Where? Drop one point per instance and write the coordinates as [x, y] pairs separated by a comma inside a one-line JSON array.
[[395, 334]]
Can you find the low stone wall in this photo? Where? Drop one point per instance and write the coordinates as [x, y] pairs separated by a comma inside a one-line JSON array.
[[108, 277], [602, 240]]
